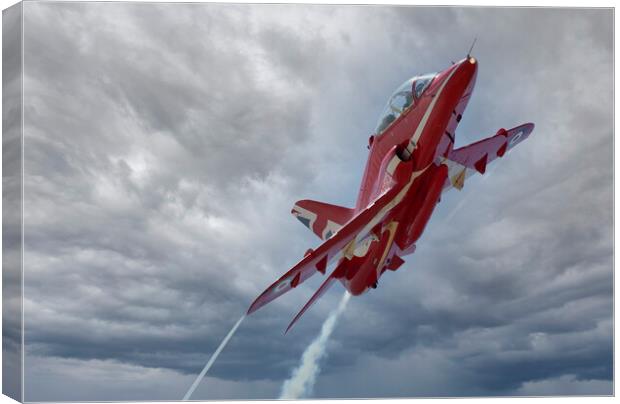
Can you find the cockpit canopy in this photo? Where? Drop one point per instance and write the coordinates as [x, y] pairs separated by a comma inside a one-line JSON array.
[[403, 98]]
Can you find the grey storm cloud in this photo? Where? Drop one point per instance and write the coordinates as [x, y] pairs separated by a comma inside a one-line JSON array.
[[166, 143]]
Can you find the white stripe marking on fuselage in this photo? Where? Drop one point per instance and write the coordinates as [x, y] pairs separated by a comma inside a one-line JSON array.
[[379, 216], [418, 132]]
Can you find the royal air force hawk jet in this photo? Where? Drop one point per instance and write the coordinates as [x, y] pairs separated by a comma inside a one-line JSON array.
[[410, 163]]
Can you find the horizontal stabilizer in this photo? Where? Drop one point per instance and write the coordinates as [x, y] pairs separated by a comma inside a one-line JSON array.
[[323, 219]]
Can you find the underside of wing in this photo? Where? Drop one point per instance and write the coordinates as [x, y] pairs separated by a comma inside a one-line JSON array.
[[318, 259], [475, 157], [317, 295]]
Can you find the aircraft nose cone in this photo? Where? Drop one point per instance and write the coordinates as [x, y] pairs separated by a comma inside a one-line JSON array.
[[465, 73], [468, 68]]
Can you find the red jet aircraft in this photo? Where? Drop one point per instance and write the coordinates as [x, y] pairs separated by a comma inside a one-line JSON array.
[[410, 163]]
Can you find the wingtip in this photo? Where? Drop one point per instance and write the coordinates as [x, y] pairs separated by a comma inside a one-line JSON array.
[[292, 323], [254, 306], [530, 126]]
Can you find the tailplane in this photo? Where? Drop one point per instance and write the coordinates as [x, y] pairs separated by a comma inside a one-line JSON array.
[[323, 219]]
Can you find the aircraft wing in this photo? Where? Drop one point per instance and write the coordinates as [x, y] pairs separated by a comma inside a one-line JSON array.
[[464, 161], [338, 244], [317, 295]]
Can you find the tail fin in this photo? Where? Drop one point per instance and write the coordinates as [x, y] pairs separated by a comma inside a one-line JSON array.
[[323, 219], [337, 273]]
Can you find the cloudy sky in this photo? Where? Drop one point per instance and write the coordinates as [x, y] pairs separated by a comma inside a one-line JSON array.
[[166, 143]]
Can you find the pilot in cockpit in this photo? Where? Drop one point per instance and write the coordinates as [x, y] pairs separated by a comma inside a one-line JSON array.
[[402, 99]]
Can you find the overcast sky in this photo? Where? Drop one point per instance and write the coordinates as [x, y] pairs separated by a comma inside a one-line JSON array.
[[166, 143]]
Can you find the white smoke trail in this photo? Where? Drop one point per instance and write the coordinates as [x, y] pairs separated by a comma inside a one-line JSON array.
[[302, 380], [212, 360]]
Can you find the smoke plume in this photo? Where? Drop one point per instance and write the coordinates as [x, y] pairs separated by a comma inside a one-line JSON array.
[[219, 349], [303, 377]]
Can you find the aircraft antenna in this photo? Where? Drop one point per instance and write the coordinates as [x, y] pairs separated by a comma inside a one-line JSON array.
[[472, 48]]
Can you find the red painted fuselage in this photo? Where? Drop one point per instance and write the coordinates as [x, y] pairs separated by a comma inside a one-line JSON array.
[[411, 161], [432, 120]]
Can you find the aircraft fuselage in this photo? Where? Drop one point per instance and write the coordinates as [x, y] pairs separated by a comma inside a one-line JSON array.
[[411, 161], [423, 134]]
